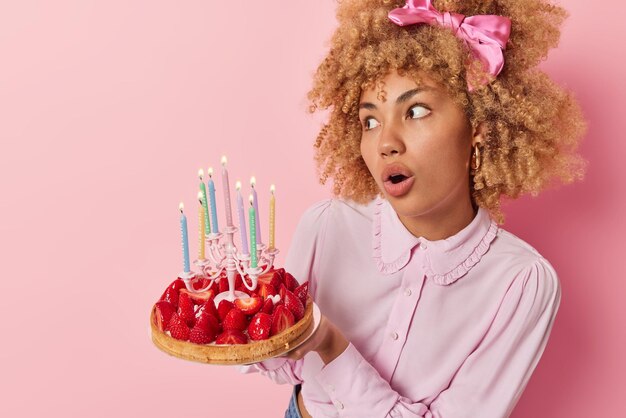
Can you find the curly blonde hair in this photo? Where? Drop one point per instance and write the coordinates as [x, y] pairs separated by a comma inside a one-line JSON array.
[[532, 126]]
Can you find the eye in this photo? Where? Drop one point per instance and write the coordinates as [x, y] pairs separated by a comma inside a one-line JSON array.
[[417, 111], [370, 123]]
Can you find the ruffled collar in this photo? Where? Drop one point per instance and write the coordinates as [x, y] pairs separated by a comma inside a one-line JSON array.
[[447, 260]]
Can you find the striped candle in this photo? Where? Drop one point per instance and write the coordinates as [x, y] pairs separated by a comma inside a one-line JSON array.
[[225, 185], [207, 224], [200, 227], [184, 239], [242, 220], [253, 224], [216, 228], [256, 210]]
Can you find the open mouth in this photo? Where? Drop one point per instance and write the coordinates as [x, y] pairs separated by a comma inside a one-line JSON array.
[[396, 173], [397, 179]]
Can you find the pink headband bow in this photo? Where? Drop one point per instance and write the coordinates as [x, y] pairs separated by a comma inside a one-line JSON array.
[[485, 35]]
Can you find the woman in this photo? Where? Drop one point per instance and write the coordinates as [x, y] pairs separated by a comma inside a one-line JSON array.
[[430, 309]]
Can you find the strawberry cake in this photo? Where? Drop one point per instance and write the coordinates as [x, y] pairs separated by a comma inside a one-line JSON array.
[[276, 317]]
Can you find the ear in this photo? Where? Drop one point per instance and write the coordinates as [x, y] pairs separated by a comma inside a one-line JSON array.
[[479, 132]]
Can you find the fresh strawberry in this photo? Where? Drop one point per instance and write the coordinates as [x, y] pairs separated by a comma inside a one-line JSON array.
[[241, 288], [268, 307], [178, 328], [235, 319], [281, 291], [163, 313], [281, 320], [294, 305], [200, 335], [208, 323], [201, 283], [231, 336], [171, 296], [223, 284], [259, 328], [208, 306], [249, 306], [199, 297], [290, 282], [223, 308], [265, 290], [176, 285], [238, 280], [209, 309], [281, 274], [185, 308], [302, 292], [271, 277]]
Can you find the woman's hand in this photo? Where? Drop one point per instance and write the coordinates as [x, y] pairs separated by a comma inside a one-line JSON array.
[[327, 341]]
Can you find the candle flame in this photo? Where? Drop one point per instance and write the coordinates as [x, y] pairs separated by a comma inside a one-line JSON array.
[[210, 171], [181, 207], [200, 197], [251, 199], [272, 189], [201, 174], [238, 185], [252, 181], [224, 160]]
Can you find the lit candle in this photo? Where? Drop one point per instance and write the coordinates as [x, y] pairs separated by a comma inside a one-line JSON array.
[[256, 210], [212, 199], [185, 239], [229, 212], [205, 206], [272, 216], [253, 223], [201, 226], [242, 220]]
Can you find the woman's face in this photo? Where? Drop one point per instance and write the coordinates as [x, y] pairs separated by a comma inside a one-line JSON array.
[[417, 144]]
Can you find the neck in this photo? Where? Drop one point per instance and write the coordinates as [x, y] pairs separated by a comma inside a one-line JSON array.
[[438, 225]]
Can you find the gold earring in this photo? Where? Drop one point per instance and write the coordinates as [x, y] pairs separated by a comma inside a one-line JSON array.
[[476, 158]]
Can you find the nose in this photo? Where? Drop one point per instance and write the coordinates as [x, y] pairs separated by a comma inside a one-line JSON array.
[[391, 142]]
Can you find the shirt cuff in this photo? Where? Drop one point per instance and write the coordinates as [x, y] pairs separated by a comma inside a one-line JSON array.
[[272, 364], [349, 379]]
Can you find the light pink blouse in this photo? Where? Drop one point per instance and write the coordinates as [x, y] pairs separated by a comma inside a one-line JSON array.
[[449, 328]]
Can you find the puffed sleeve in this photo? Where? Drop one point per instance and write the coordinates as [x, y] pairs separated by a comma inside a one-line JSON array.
[[305, 243], [491, 379]]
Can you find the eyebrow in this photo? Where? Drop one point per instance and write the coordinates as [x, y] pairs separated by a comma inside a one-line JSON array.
[[401, 98]]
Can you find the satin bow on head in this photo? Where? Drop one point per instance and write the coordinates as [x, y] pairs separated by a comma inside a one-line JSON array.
[[485, 35]]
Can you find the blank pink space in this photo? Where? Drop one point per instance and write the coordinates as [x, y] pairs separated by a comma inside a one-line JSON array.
[[107, 111]]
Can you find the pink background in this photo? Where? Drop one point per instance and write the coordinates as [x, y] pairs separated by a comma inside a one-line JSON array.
[[107, 111]]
